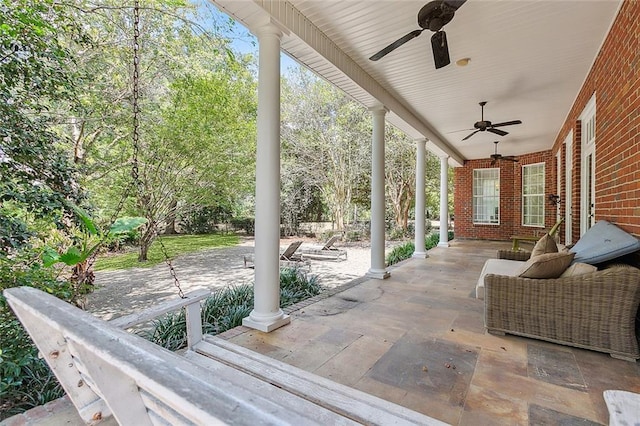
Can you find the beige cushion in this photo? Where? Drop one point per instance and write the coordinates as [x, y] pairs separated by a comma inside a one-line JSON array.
[[548, 265], [510, 268], [578, 268], [546, 244]]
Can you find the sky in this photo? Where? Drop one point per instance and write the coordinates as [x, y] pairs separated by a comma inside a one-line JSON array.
[[242, 40]]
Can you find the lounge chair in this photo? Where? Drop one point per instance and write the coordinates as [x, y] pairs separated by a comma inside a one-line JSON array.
[[327, 251], [288, 258]]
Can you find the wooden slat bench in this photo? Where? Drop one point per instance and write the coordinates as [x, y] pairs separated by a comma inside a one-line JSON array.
[[517, 238], [109, 372]]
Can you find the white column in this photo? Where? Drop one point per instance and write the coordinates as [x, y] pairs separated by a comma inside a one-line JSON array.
[[420, 250], [378, 268], [444, 202], [266, 314]]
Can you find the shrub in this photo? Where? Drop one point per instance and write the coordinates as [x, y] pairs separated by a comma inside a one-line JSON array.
[[400, 253], [203, 219], [25, 379], [246, 224], [397, 233], [226, 308], [405, 251]]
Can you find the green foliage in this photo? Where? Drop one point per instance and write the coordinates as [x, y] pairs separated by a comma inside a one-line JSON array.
[[400, 253], [203, 220], [246, 224], [36, 71], [226, 308], [175, 244], [91, 238], [25, 380], [405, 251]]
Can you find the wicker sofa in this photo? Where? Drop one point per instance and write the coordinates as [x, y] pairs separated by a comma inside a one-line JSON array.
[[594, 311]]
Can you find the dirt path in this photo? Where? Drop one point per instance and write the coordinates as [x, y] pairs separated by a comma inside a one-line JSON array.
[[126, 291]]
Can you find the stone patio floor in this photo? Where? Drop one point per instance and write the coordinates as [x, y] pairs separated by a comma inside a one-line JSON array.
[[418, 339]]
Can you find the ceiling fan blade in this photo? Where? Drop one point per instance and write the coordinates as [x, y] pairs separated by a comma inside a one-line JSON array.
[[494, 161], [440, 49], [511, 158], [507, 123], [467, 137], [497, 131], [393, 46], [455, 3]]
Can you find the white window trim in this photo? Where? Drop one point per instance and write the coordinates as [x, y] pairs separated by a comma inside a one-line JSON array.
[[544, 185], [474, 197]]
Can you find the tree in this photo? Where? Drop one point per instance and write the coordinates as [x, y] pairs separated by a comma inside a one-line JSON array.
[[400, 172], [326, 138], [201, 153], [176, 140], [36, 71]]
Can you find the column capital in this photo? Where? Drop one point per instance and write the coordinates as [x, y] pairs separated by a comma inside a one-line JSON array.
[[443, 157], [268, 28], [421, 141], [378, 109]]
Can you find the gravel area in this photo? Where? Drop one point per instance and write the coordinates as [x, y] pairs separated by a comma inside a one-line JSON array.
[[126, 291]]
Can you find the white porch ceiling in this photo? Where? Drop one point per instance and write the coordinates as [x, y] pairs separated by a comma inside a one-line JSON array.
[[528, 60]]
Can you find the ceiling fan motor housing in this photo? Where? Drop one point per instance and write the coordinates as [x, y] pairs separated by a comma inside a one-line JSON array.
[[435, 15]]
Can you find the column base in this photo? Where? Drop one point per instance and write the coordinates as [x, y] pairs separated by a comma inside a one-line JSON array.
[[420, 255], [379, 274], [266, 326], [443, 244]]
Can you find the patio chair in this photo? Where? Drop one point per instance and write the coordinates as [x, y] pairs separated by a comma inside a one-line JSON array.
[[288, 258], [327, 251]]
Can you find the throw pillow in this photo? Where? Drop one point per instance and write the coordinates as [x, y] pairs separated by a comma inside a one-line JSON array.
[[578, 268], [548, 265], [604, 241], [546, 244]]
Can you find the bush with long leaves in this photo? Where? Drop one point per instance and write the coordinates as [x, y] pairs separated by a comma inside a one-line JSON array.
[[226, 308], [405, 251]]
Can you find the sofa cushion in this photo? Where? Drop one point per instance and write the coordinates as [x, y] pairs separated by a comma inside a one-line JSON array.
[[578, 268], [548, 265], [507, 267], [546, 244], [604, 241]]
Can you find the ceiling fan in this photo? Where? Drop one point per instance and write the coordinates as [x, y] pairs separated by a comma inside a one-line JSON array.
[[483, 125], [496, 157], [433, 16]]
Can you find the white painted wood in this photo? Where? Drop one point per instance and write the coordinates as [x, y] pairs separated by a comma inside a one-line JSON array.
[[377, 269], [118, 389], [444, 202], [266, 314], [53, 347], [568, 199], [623, 406], [194, 324], [420, 251], [147, 315], [146, 384], [357, 405]]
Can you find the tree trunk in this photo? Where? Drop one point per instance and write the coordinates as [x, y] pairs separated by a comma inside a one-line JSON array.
[[170, 229], [145, 242]]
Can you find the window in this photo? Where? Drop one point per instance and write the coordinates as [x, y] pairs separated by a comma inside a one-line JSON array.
[[486, 196], [533, 195]]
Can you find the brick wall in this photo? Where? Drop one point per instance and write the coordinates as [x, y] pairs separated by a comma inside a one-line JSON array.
[[615, 80], [510, 198]]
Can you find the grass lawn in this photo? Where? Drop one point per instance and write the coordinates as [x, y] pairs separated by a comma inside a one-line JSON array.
[[176, 245]]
